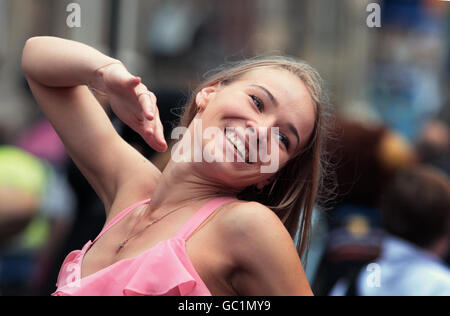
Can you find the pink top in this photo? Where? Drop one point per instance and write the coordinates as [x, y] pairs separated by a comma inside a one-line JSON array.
[[164, 269]]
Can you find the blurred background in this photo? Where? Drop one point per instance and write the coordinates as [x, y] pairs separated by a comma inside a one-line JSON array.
[[388, 86]]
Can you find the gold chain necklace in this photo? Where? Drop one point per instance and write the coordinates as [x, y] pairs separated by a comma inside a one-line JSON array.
[[123, 243]]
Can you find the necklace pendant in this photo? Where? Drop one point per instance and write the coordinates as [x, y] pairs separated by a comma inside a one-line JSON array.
[[121, 246]]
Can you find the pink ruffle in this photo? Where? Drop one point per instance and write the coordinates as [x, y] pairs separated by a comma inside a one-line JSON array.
[[59, 293], [164, 270], [71, 259], [161, 272]]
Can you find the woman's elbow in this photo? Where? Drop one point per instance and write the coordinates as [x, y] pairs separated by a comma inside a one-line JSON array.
[[27, 55]]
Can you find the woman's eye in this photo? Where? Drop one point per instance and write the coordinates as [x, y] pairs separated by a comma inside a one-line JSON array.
[[258, 102], [284, 140]]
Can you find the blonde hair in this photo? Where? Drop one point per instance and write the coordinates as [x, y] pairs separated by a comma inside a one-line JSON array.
[[294, 191]]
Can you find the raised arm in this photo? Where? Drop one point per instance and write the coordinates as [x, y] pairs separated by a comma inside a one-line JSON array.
[[58, 72]]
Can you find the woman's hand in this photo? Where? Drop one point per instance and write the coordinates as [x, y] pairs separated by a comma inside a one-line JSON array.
[[133, 104]]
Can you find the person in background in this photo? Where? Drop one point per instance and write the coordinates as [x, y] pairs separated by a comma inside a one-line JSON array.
[[434, 145], [24, 220], [365, 158], [416, 214]]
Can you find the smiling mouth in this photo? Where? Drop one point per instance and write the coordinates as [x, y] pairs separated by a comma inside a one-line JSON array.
[[238, 145]]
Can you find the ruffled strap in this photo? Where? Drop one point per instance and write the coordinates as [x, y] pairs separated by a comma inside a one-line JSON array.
[[119, 216]]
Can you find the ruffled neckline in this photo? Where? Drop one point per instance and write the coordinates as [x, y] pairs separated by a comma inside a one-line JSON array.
[[172, 273], [164, 269]]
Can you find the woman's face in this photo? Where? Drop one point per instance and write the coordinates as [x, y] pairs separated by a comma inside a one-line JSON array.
[[261, 99]]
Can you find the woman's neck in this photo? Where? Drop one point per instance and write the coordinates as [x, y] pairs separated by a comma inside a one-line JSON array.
[[180, 184]]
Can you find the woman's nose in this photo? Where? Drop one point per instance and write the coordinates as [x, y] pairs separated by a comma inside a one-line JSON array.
[[260, 130], [260, 136], [268, 122], [251, 126]]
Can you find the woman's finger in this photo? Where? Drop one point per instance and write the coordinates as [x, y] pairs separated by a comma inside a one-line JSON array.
[[154, 135], [159, 134], [153, 97], [147, 106], [150, 138], [140, 88], [133, 81]]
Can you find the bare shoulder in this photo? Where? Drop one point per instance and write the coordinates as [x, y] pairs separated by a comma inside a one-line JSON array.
[[264, 255], [247, 220], [252, 230]]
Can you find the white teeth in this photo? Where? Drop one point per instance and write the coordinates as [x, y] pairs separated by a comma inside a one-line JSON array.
[[240, 146], [234, 139]]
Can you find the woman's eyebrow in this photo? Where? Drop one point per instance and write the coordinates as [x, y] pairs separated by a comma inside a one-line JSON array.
[[267, 92]]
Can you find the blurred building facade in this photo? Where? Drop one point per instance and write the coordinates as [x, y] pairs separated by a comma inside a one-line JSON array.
[[173, 43]]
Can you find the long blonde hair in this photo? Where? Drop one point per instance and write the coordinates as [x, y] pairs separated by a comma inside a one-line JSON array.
[[294, 192]]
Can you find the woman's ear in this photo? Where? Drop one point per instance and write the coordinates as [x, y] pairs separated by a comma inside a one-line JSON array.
[[205, 95]]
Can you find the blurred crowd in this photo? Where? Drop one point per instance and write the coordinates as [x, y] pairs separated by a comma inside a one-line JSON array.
[[384, 225]]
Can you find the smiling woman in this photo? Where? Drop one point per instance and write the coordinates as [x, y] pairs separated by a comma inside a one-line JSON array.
[[293, 189], [197, 227]]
